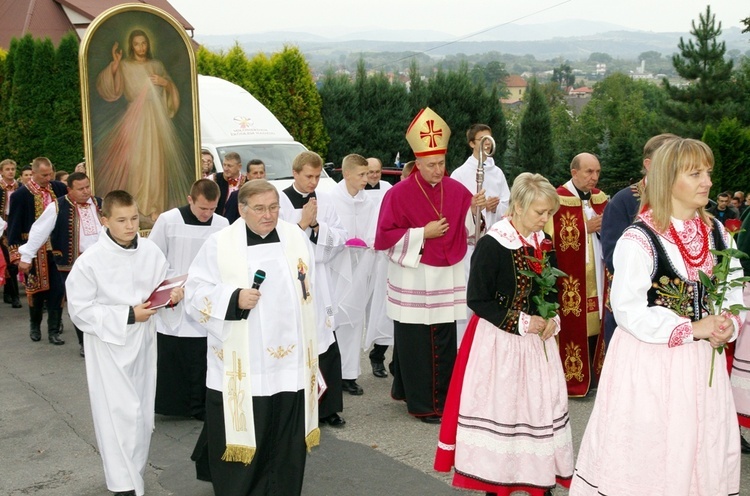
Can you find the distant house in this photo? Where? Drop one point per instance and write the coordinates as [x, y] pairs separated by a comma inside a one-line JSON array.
[[516, 86], [55, 18], [582, 92]]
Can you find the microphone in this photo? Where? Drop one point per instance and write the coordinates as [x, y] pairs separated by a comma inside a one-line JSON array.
[[258, 278]]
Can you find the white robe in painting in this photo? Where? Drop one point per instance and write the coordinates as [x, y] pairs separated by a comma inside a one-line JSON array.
[[350, 273], [104, 283], [495, 185], [331, 239], [180, 243]]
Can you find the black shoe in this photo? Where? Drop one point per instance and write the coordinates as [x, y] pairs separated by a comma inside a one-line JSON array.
[[124, 493], [7, 298], [430, 419], [55, 339], [744, 445], [35, 335], [378, 369], [334, 420], [16, 303], [81, 352], [351, 387]]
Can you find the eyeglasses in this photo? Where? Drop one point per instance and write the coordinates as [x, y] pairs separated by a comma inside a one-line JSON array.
[[262, 209]]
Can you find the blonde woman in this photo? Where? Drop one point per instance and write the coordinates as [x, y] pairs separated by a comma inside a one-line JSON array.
[[506, 426], [657, 427]]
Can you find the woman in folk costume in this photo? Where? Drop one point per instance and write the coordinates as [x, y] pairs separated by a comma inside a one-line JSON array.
[[506, 426], [661, 424], [740, 369]]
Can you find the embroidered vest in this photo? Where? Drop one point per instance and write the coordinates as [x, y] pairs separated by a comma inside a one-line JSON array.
[[668, 289], [64, 237]]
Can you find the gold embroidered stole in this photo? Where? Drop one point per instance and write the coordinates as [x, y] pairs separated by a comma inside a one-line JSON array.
[[239, 423]]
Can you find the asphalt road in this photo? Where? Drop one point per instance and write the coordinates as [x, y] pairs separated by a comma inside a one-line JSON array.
[[48, 448]]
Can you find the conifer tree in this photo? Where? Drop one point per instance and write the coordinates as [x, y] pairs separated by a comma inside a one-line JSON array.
[[708, 96], [64, 145], [340, 117], [536, 151], [461, 103], [21, 106], [5, 90], [43, 98], [298, 106], [730, 143], [383, 113]]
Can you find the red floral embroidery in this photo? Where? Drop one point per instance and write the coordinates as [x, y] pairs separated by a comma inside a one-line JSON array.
[[681, 334]]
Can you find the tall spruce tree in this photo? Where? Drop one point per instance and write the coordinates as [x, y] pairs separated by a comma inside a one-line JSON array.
[[65, 143], [536, 151], [708, 96], [461, 103], [5, 91], [43, 96], [298, 106], [21, 105], [730, 143], [383, 113], [340, 117]]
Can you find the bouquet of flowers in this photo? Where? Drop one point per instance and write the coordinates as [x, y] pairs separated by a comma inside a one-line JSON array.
[[716, 288], [544, 275]]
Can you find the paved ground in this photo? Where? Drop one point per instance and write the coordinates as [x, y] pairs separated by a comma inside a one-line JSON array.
[[48, 448]]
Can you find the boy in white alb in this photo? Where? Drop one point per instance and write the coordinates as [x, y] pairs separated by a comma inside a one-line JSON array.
[[108, 288]]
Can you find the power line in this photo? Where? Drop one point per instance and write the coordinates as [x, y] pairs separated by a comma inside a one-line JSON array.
[[463, 38]]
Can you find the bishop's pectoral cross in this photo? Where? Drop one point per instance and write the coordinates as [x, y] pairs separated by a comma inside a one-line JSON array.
[[236, 394]]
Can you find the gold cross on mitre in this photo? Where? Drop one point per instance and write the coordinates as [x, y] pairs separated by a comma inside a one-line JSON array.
[[428, 134]]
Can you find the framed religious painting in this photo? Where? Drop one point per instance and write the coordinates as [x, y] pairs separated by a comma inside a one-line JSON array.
[[140, 108]]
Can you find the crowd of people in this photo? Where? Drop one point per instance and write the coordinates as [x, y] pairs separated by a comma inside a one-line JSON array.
[[249, 307]]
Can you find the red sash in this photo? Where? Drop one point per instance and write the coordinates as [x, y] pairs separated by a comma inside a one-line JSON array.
[[579, 313]]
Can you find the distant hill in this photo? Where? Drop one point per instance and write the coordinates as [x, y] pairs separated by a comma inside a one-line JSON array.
[[573, 40]]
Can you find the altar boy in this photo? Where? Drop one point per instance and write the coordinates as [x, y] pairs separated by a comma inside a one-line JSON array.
[[107, 290]]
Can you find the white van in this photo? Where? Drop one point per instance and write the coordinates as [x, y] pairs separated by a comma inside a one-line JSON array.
[[232, 120]]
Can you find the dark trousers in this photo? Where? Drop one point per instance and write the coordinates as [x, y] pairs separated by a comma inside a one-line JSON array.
[[423, 357], [79, 333], [377, 353], [181, 376], [278, 466], [53, 297], [11, 283], [332, 400]]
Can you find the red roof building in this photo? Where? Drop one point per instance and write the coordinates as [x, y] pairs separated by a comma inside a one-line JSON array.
[[55, 18]]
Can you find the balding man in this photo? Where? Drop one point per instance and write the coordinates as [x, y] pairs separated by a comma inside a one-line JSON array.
[[575, 232], [43, 282]]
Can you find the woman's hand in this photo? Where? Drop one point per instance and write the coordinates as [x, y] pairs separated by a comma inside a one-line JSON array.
[[543, 328], [718, 329]]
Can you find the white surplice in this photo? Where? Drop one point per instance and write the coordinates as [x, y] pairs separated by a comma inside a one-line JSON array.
[[350, 273], [494, 184], [104, 283], [331, 239], [275, 362], [379, 329], [180, 243]]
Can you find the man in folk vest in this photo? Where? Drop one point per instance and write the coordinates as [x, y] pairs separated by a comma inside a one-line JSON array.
[[71, 224]]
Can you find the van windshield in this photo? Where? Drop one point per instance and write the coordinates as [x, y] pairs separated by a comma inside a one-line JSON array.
[[278, 157]]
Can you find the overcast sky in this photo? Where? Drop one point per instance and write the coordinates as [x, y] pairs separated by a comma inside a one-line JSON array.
[[449, 16]]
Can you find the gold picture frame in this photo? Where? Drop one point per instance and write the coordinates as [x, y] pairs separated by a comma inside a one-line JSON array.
[[139, 96]]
